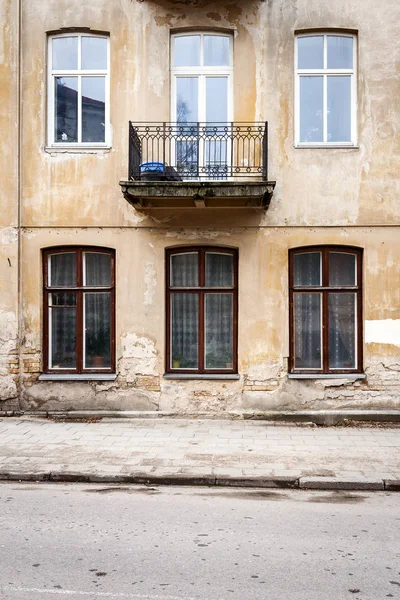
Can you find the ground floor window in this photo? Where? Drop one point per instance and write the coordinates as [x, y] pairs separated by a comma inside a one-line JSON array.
[[202, 305], [325, 310], [79, 310]]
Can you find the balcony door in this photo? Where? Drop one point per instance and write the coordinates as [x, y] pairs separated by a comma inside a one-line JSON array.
[[202, 107]]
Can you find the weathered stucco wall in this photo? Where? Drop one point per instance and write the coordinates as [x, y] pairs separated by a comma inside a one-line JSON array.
[[314, 187], [341, 196], [263, 324], [9, 205]]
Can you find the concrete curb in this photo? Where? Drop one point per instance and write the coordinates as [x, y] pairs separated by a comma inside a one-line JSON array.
[[318, 417], [302, 483]]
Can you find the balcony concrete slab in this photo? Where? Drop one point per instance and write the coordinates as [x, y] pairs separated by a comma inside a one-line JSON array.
[[150, 195]]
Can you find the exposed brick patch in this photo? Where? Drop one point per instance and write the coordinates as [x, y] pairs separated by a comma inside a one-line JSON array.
[[149, 382]]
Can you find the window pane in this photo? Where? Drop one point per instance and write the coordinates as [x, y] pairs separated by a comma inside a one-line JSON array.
[[219, 331], [342, 331], [307, 269], [216, 51], [66, 109], [307, 331], [187, 99], [311, 109], [185, 270], [342, 269], [65, 53], [94, 53], [62, 334], [62, 269], [97, 269], [93, 109], [219, 270], [339, 108], [184, 331], [340, 52], [62, 299], [217, 99], [97, 323], [187, 51], [310, 51]]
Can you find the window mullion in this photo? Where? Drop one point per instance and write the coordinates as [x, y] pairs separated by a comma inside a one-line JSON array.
[[79, 109], [201, 350], [325, 108], [79, 331]]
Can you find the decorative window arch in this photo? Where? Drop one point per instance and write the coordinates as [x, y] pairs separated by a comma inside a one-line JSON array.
[[325, 300], [79, 90], [79, 310], [202, 310]]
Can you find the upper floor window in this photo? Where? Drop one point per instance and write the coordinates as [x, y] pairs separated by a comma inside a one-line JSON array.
[[202, 65], [202, 71], [325, 310], [326, 90], [202, 305], [78, 90], [79, 300]]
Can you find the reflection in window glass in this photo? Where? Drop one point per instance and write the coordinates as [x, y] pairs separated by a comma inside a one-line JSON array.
[[93, 109], [65, 53], [340, 52], [187, 99], [187, 51], [311, 109], [66, 109], [307, 269], [339, 108], [310, 52], [216, 51], [94, 53]]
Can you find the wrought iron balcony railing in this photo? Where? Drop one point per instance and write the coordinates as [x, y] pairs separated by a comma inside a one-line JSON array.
[[198, 151]]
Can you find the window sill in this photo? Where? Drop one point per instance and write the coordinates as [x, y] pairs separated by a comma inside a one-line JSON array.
[[232, 376], [77, 377], [327, 146], [77, 149], [351, 376]]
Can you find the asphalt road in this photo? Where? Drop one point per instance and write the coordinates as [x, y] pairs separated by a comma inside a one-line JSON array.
[[81, 541]]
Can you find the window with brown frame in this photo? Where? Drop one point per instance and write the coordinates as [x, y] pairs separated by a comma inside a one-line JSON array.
[[79, 310], [325, 298], [202, 310]]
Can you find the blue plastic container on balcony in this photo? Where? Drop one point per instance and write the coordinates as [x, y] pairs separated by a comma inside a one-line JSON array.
[[152, 171]]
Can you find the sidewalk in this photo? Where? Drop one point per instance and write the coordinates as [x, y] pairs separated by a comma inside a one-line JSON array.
[[200, 452]]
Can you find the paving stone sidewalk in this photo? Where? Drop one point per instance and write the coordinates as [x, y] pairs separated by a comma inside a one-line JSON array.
[[207, 452]]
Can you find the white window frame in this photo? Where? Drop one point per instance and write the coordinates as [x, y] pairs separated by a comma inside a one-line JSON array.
[[79, 73], [201, 72], [324, 73]]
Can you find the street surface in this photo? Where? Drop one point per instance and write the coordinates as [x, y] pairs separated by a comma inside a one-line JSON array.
[[141, 543]]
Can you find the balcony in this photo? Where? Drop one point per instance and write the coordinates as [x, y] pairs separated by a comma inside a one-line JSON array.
[[198, 165]]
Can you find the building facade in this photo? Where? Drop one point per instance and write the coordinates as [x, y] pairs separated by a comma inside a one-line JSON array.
[[200, 206]]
